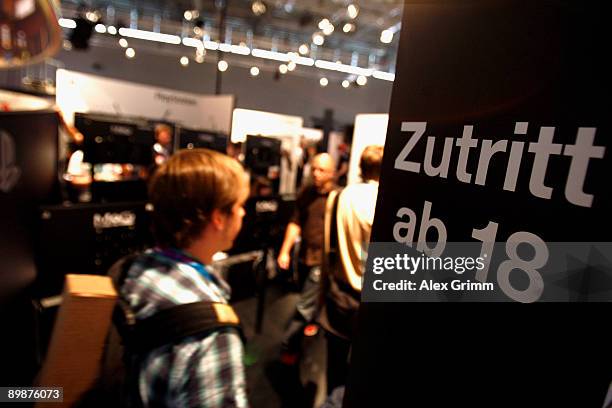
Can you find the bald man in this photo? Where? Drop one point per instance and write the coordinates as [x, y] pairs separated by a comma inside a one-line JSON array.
[[307, 222]]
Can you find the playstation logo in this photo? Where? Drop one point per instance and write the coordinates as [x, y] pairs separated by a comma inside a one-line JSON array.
[[9, 172]]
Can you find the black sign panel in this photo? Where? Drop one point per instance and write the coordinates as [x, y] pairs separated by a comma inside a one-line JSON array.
[[28, 178], [499, 134]]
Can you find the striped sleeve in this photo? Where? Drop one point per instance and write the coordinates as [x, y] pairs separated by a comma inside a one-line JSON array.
[[215, 375]]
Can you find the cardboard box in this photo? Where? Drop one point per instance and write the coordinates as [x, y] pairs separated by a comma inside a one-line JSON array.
[[77, 341]]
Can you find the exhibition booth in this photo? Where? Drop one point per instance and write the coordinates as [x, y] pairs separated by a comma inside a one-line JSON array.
[[76, 196]]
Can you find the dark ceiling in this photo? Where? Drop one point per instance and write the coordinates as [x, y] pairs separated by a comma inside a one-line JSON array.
[[284, 26]]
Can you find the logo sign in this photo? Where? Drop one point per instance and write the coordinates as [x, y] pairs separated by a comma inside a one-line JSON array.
[[9, 172], [121, 130], [175, 99], [206, 138], [113, 220], [266, 206]]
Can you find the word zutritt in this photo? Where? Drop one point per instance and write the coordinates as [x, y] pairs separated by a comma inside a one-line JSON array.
[[581, 152]]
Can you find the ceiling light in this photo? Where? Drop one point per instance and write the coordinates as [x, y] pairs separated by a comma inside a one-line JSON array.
[[254, 71], [272, 55], [193, 42], [111, 30], [361, 80], [282, 68], [198, 32], [258, 7], [309, 62], [150, 35], [222, 66], [328, 30], [184, 61], [100, 28], [240, 49], [323, 23], [200, 53], [291, 66], [130, 53], [353, 11], [303, 49], [347, 69], [385, 76], [67, 45], [318, 39], [323, 82], [386, 36], [66, 23], [123, 42], [348, 27], [93, 16], [191, 14], [211, 45], [346, 83]]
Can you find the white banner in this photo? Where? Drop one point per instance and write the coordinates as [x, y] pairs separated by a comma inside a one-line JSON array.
[[78, 92], [370, 129]]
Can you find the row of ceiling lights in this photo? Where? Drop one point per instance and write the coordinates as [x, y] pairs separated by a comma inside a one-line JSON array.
[[291, 59], [222, 66]]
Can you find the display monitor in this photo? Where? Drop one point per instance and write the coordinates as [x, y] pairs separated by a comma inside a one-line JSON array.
[[193, 138], [110, 139], [262, 153]]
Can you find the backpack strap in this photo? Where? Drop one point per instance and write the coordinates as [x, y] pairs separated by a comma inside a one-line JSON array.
[[123, 316], [118, 271], [330, 234], [339, 300], [171, 325], [330, 243]]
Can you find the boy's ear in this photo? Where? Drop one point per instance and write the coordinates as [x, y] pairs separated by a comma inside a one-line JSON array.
[[217, 219]]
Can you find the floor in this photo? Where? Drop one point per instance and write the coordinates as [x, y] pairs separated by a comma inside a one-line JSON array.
[[272, 384]]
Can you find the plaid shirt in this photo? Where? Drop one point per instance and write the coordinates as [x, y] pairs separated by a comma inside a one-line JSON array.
[[198, 371]]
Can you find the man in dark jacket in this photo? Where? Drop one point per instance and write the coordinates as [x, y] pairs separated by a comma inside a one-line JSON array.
[[307, 222]]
